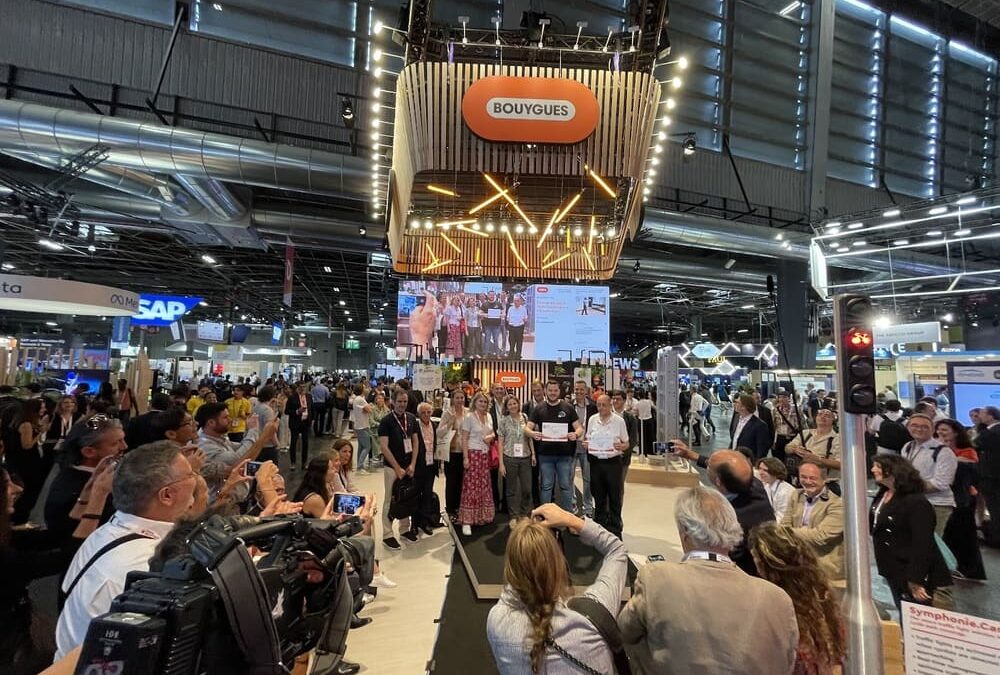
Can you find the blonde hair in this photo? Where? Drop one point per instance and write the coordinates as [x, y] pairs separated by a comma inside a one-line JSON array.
[[785, 560], [535, 569]]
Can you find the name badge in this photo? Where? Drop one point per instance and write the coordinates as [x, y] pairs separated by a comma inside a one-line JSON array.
[[407, 449], [519, 450]]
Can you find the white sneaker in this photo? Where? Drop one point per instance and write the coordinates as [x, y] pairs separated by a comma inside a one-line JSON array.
[[367, 598], [467, 530], [382, 581]]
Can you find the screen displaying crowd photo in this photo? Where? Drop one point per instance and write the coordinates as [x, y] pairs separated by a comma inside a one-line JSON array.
[[459, 319]]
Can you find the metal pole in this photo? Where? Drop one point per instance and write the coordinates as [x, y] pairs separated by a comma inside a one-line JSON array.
[[864, 629], [170, 52]]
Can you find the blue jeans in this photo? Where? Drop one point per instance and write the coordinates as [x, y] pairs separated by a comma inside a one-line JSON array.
[[492, 340], [364, 447], [552, 467]]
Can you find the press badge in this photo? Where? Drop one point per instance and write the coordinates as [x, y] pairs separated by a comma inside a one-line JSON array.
[[407, 446]]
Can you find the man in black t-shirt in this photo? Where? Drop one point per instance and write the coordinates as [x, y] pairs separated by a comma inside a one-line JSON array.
[[395, 438], [490, 313], [555, 427]]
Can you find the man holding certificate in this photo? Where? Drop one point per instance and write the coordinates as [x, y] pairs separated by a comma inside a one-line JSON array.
[[554, 426], [606, 441]]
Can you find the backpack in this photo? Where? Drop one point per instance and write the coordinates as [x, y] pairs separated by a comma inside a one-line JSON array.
[[405, 498], [893, 435]]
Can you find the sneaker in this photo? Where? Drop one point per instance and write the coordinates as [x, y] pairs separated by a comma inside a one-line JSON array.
[[467, 530], [380, 580], [427, 529], [392, 543], [367, 599], [411, 535]]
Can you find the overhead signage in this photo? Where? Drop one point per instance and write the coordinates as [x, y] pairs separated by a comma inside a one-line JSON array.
[[942, 641], [976, 373], [907, 333], [21, 293], [530, 109], [211, 331], [625, 363], [705, 350], [511, 379], [162, 310], [352, 344], [43, 343]]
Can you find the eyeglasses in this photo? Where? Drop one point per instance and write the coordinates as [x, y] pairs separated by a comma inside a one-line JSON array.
[[99, 421], [180, 480]]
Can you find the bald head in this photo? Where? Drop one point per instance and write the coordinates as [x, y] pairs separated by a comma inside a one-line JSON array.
[[730, 471]]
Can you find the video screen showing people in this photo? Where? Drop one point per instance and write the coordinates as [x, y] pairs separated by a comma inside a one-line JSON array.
[[466, 319]]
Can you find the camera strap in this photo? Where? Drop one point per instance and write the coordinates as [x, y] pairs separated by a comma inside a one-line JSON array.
[[107, 548], [248, 609]]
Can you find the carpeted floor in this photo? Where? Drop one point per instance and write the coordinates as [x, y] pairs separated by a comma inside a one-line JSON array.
[[461, 647]]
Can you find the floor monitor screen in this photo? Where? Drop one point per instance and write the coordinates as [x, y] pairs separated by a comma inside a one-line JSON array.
[[465, 319]]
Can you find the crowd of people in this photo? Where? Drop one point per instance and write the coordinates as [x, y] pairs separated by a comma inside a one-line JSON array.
[[114, 484], [768, 531]]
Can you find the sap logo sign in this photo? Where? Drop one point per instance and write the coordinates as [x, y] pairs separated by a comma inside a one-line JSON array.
[[162, 310]]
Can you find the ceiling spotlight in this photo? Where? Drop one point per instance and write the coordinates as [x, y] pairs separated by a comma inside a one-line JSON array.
[[855, 226], [883, 322], [729, 263], [966, 200], [891, 213], [682, 63], [963, 232], [901, 242], [91, 248], [949, 317], [690, 144], [635, 267], [676, 83], [377, 28], [49, 244], [746, 306], [347, 112], [938, 210], [860, 243], [934, 233], [362, 230], [208, 259], [342, 303]]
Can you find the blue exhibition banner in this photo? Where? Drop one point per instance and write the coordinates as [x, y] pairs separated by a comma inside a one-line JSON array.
[[162, 310], [120, 328]]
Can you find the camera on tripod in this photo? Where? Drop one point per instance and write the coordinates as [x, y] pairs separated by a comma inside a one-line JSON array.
[[213, 609]]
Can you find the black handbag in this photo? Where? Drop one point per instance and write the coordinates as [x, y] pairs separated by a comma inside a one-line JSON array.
[[405, 498]]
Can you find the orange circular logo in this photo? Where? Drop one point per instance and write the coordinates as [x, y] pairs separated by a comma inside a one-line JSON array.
[[530, 109], [511, 379]]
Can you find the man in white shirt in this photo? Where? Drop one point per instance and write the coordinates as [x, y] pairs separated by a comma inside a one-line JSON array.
[[698, 405], [605, 442], [360, 408], [937, 465], [517, 317], [889, 394], [153, 487]]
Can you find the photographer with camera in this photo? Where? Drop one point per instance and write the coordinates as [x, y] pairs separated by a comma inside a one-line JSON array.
[[537, 606], [153, 486]]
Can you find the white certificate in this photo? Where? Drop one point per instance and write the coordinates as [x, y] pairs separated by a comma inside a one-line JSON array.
[[601, 442], [554, 431], [493, 313]]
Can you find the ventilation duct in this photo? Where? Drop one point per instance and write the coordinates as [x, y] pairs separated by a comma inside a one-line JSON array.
[[169, 150], [214, 196]]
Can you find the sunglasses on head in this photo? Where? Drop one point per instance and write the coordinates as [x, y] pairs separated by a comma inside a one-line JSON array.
[[99, 421]]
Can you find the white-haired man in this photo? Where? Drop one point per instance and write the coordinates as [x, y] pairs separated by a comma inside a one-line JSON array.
[[704, 615]]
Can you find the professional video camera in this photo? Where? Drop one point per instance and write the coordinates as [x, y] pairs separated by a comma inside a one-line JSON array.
[[213, 611]]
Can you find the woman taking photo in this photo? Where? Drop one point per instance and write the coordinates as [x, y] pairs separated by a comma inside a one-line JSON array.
[[772, 474], [450, 434], [476, 507], [960, 532], [518, 458], [65, 417], [531, 629], [902, 526], [789, 563]]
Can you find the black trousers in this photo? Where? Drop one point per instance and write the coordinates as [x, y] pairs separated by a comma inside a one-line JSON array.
[[30, 468], [423, 478], [536, 487], [453, 472], [515, 335], [607, 484], [648, 435], [299, 432], [319, 412]]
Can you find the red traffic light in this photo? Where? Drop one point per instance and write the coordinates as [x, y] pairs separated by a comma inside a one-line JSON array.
[[859, 338]]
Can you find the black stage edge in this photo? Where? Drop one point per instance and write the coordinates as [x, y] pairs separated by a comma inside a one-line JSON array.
[[482, 556], [461, 646]]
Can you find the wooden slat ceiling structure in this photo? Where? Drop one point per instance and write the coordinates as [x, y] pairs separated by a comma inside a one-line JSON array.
[[433, 146]]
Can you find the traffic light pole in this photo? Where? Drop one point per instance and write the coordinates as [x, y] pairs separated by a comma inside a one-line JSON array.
[[864, 629]]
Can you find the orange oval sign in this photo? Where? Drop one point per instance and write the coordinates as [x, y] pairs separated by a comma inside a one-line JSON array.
[[511, 379], [530, 109]]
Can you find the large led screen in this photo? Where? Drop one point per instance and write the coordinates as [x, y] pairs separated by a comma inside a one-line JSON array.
[[476, 319]]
